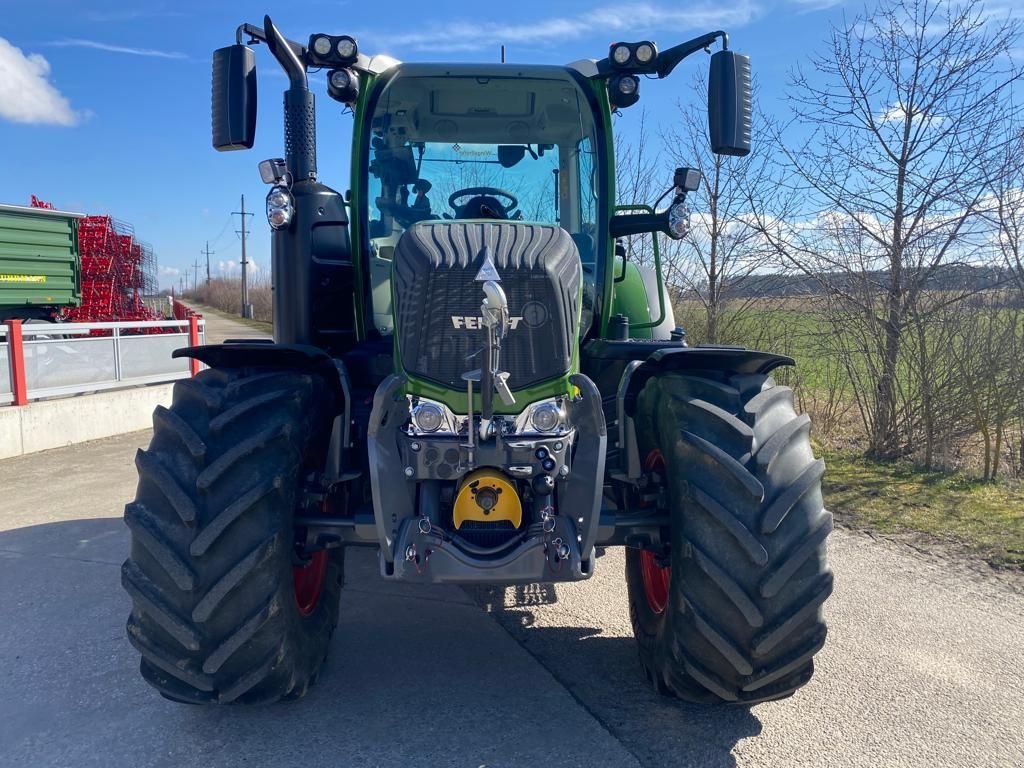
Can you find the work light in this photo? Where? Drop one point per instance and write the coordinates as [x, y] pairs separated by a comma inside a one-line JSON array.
[[343, 86], [346, 47], [645, 53], [624, 90], [322, 45], [621, 54]]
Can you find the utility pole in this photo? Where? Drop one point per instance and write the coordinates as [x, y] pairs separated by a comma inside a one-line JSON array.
[[208, 253], [195, 279], [246, 306]]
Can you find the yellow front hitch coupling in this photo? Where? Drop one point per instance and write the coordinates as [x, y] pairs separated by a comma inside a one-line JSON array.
[[487, 496]]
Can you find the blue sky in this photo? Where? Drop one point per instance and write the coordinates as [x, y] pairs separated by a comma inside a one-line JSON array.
[[104, 106]]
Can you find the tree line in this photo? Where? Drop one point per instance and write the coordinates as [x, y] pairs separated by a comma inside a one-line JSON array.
[[891, 179]]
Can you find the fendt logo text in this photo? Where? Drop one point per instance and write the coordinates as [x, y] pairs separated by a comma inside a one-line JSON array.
[[476, 323]]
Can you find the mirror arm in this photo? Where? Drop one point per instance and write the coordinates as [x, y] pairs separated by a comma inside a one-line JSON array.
[[670, 58], [288, 53], [625, 225]]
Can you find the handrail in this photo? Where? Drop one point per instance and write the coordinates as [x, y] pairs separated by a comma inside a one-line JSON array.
[[49, 329]]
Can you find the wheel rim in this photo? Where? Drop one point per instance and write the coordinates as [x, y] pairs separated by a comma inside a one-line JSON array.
[[656, 577], [309, 582]]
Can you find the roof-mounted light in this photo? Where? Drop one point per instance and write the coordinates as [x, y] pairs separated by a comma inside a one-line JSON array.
[[332, 50], [343, 85]]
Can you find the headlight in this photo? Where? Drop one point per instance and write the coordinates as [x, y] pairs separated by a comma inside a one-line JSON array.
[[322, 46], [340, 79], [280, 208], [343, 85], [346, 48], [427, 417], [546, 417], [644, 53], [620, 54], [278, 197], [678, 221], [628, 85]]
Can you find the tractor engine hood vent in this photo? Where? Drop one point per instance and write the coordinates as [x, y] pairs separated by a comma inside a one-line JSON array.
[[439, 269]]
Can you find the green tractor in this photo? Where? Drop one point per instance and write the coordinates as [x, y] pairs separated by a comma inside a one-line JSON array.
[[470, 375]]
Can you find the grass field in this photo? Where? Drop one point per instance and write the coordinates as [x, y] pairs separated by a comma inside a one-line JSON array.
[[985, 518]]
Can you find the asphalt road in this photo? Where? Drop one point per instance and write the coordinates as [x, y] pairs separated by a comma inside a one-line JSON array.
[[219, 328], [923, 666]]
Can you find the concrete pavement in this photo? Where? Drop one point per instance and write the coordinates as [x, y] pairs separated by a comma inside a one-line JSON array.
[[416, 677], [923, 665]]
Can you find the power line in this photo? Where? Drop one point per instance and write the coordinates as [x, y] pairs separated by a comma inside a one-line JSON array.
[[223, 230], [246, 309], [208, 253]]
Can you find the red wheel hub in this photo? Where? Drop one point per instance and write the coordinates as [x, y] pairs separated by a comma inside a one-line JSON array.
[[309, 582], [656, 577], [656, 580]]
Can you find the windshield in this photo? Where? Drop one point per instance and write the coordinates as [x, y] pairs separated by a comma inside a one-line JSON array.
[[480, 147]]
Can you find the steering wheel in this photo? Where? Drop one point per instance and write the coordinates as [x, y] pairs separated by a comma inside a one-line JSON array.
[[484, 193]]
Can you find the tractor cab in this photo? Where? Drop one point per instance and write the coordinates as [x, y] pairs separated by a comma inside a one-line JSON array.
[[468, 142]]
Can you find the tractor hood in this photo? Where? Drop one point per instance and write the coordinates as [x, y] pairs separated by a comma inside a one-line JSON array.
[[439, 270]]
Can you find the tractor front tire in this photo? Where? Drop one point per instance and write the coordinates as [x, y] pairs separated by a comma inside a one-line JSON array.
[[732, 611], [223, 608]]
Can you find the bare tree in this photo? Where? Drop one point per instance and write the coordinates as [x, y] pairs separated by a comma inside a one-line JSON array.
[[639, 179], [713, 264], [903, 114], [1008, 213]]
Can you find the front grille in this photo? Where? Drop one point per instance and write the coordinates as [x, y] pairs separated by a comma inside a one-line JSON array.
[[488, 535], [437, 296]]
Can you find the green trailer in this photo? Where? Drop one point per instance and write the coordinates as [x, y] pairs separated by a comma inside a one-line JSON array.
[[40, 264]]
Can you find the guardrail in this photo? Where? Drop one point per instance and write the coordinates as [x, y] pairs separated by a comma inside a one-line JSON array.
[[55, 360]]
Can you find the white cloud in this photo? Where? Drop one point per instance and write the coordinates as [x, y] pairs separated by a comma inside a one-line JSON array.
[[132, 14], [650, 17], [169, 271], [809, 6], [26, 93], [897, 114], [234, 268], [98, 46]]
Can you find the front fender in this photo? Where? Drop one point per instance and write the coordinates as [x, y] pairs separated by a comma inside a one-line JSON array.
[[296, 357], [729, 360]]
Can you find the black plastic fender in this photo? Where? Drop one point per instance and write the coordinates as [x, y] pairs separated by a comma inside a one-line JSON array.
[[689, 359], [299, 357], [394, 495]]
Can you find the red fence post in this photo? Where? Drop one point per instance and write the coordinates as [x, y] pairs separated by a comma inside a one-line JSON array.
[[17, 362], [193, 341]]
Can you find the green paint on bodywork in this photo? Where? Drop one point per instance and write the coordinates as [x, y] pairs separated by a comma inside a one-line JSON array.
[[39, 260], [603, 126], [357, 204], [456, 399], [629, 298]]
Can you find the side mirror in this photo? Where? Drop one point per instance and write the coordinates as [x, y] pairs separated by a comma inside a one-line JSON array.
[[730, 104], [233, 108], [509, 155]]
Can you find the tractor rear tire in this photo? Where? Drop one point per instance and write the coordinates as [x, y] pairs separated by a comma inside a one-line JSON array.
[[733, 611], [223, 609]]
